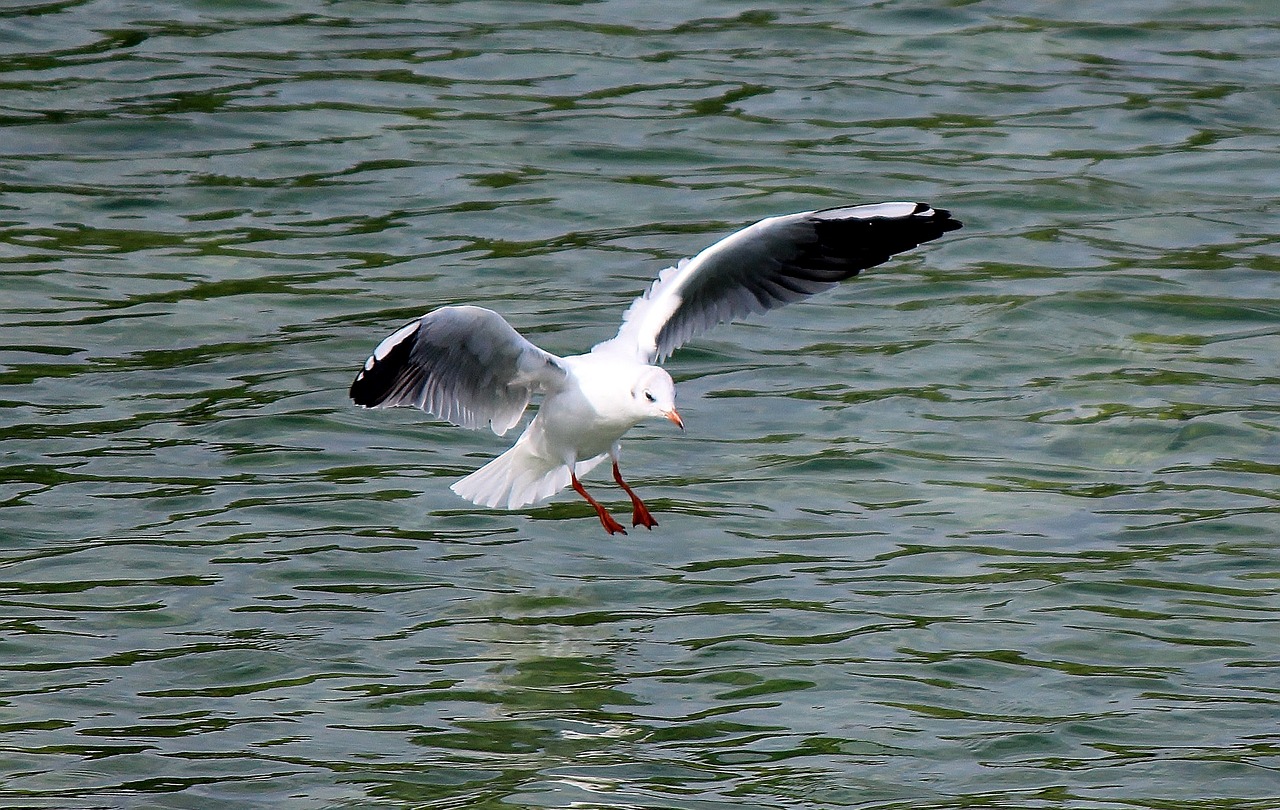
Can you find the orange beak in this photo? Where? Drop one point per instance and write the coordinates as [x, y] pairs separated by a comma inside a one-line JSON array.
[[675, 417]]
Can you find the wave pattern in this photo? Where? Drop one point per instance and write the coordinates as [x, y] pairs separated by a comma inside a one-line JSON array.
[[991, 526]]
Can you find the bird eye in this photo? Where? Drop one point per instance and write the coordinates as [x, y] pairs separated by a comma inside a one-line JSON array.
[[649, 396]]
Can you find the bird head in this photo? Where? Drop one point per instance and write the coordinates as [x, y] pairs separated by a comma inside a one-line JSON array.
[[654, 394]]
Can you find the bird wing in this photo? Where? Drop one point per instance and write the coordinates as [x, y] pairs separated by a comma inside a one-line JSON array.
[[767, 265], [464, 364]]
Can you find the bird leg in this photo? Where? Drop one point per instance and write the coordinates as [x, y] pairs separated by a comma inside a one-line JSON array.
[[639, 512], [610, 525]]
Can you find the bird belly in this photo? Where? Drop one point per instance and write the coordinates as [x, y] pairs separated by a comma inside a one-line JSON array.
[[575, 430]]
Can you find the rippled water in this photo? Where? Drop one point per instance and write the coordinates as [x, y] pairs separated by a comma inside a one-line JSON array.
[[993, 525]]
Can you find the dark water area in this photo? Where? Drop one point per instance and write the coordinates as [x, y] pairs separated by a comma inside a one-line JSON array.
[[993, 525]]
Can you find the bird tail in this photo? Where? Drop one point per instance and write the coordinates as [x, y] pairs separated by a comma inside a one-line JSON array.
[[518, 478]]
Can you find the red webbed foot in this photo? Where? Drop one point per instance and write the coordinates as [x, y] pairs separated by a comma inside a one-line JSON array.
[[610, 525], [639, 512]]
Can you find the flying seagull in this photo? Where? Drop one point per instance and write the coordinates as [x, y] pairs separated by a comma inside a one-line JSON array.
[[468, 366]]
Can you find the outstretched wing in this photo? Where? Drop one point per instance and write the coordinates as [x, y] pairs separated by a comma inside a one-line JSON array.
[[464, 364], [771, 263]]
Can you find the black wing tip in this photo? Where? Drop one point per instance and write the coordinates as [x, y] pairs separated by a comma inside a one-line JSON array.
[[854, 243], [937, 219], [376, 381], [364, 392], [940, 217]]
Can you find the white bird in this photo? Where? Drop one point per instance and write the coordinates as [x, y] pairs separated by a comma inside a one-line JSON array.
[[467, 365]]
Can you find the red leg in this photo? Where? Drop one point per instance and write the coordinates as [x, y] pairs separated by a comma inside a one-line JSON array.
[[639, 512], [610, 525]]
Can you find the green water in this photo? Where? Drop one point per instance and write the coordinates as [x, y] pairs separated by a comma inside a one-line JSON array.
[[991, 526]]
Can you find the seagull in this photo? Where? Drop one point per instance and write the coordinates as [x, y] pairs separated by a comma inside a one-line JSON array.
[[468, 366]]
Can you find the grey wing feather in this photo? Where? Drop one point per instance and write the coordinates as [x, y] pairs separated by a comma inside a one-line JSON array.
[[774, 262], [464, 364]]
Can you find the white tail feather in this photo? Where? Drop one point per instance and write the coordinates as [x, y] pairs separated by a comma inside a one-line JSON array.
[[518, 478]]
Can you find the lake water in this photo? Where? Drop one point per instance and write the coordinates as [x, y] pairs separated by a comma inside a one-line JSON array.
[[994, 525]]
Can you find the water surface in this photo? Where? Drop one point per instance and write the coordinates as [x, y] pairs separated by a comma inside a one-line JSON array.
[[993, 525]]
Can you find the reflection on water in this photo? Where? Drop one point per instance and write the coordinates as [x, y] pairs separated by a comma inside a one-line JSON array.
[[992, 525]]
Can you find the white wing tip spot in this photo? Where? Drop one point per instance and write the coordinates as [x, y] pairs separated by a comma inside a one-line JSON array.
[[390, 342], [891, 210]]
